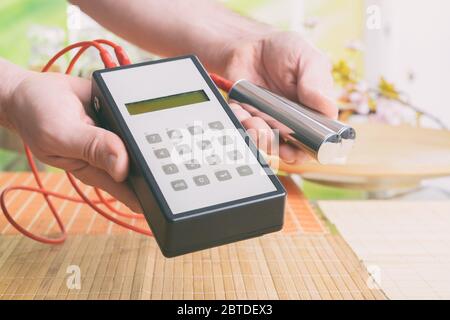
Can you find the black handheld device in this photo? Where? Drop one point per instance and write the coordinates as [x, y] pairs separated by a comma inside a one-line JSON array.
[[200, 180]]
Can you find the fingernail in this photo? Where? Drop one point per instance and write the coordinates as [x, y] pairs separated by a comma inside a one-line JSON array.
[[111, 163], [290, 161]]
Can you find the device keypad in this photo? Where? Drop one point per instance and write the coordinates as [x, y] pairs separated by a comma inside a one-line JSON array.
[[204, 144], [183, 149], [223, 175], [216, 125], [213, 160], [244, 171], [162, 153], [153, 138], [192, 164], [207, 172], [201, 180], [175, 134], [179, 185], [170, 168], [195, 130]]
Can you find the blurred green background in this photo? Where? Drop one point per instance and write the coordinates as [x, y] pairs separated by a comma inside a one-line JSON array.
[[16, 17], [343, 17]]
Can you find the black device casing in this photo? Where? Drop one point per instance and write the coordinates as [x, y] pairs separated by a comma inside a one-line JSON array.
[[198, 229]]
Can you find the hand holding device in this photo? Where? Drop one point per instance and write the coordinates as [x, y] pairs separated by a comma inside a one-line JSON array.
[[60, 133]]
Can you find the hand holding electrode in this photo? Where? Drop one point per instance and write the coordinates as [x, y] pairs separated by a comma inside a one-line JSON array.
[[287, 64]]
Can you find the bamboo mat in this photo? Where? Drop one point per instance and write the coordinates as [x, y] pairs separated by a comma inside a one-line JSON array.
[[304, 261]]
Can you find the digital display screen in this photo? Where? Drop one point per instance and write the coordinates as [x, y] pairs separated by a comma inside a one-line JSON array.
[[167, 102]]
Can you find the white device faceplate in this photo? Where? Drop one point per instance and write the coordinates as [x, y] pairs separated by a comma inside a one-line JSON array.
[[174, 77]]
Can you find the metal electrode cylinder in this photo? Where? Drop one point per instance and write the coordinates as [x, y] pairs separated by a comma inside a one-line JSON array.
[[321, 137]]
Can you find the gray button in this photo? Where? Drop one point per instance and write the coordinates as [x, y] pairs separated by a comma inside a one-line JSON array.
[[179, 185], [162, 153], [235, 155], [174, 134], [225, 140], [183, 149], [213, 159], [194, 130], [192, 164], [170, 169], [201, 180], [204, 144], [153, 138], [244, 171], [216, 125], [223, 175]]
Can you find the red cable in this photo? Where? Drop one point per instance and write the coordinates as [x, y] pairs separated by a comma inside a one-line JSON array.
[[93, 203], [222, 83], [120, 53], [104, 54]]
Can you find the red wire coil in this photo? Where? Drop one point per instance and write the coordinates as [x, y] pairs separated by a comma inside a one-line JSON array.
[[93, 203]]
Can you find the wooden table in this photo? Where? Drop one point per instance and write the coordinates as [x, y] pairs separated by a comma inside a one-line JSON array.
[[304, 261]]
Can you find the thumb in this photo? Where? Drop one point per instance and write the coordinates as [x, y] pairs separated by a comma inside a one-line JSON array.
[[316, 100], [102, 149]]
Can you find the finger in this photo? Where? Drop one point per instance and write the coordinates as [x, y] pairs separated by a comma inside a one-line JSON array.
[[316, 100], [257, 129], [82, 89], [120, 190], [272, 122], [315, 85], [239, 112], [277, 127], [261, 134], [100, 148], [292, 155], [250, 109], [65, 164], [246, 112]]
